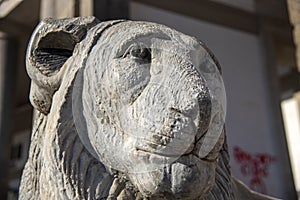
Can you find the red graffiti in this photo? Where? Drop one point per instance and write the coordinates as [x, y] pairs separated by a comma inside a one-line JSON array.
[[256, 166]]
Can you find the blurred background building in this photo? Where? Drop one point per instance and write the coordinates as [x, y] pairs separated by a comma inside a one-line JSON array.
[[254, 43]]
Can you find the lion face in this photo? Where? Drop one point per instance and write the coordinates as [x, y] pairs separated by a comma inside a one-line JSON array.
[[147, 107]]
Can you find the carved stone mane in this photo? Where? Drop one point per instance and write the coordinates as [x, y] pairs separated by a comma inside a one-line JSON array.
[[87, 80]]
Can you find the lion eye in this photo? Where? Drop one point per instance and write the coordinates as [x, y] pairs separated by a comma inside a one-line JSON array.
[[138, 52]]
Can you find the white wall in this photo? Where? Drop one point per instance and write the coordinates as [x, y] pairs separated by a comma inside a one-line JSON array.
[[240, 55]]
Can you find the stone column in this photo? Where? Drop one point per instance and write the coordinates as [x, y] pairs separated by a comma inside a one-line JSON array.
[[58, 8], [294, 13], [86, 7], [47, 8], [297, 97], [7, 81]]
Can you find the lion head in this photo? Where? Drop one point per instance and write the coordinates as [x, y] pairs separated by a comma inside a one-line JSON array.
[[146, 102], [142, 106]]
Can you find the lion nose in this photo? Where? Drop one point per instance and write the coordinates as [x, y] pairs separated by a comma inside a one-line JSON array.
[[174, 67]]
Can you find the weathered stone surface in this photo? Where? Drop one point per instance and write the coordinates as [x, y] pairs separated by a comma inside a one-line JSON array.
[[126, 110]]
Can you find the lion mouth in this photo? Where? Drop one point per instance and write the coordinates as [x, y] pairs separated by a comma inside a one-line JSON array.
[[177, 138], [164, 149], [192, 150]]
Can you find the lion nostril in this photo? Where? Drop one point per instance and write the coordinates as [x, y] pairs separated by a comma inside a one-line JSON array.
[[162, 140], [178, 114]]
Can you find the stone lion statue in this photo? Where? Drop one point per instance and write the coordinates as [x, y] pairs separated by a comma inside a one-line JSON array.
[[125, 110]]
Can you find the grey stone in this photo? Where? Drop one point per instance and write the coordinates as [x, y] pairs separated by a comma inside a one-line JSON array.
[[126, 110]]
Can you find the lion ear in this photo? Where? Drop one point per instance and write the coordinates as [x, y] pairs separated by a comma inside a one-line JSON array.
[[51, 45]]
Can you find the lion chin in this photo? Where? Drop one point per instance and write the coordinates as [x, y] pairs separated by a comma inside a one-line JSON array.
[[125, 110], [187, 178]]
